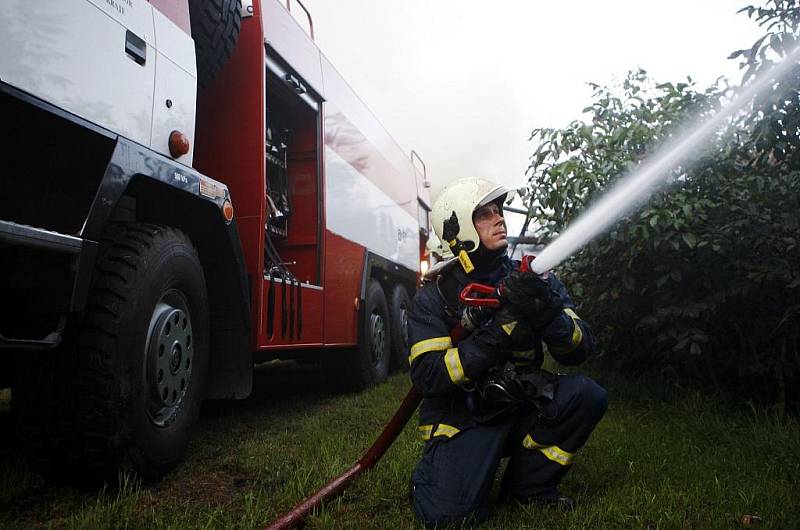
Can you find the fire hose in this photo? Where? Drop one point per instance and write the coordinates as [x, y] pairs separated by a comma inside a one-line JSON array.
[[366, 462], [472, 295]]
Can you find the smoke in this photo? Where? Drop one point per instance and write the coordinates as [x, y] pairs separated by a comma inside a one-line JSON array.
[[638, 185]]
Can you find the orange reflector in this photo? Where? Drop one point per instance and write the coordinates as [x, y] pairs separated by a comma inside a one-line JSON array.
[[356, 303], [227, 211], [178, 144]]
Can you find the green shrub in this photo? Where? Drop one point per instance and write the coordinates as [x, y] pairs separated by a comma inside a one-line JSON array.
[[702, 283]]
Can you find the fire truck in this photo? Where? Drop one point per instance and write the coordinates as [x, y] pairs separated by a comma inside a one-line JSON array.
[[189, 187]]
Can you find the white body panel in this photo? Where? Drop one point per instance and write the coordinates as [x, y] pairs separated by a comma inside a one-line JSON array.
[[360, 211], [285, 36], [176, 82], [371, 186], [71, 53], [134, 15]]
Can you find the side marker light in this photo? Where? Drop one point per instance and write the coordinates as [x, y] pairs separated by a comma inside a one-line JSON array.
[[178, 144], [227, 211]]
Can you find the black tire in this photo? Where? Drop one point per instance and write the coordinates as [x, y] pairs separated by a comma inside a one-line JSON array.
[[215, 30], [119, 402], [367, 364], [399, 305]]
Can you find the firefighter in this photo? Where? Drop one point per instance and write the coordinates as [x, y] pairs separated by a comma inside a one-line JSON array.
[[486, 397]]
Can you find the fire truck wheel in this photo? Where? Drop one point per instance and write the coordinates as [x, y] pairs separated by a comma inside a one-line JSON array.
[[215, 30], [158, 359], [368, 363], [138, 363], [399, 305]]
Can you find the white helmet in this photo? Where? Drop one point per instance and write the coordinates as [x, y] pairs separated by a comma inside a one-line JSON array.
[[437, 248], [460, 199]]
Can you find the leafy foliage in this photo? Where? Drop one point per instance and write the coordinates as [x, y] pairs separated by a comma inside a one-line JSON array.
[[703, 282]]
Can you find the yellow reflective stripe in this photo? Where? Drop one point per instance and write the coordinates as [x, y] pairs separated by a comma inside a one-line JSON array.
[[529, 443], [520, 355], [552, 452], [427, 345], [426, 432], [446, 430], [508, 328], [523, 358], [558, 455], [453, 362], [577, 334]]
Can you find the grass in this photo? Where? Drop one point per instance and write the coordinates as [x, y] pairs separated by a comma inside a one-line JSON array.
[[677, 461]]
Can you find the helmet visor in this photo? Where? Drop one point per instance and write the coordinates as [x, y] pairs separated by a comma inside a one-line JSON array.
[[494, 194]]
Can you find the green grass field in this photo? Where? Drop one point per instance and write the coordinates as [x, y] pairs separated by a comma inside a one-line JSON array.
[[681, 462]]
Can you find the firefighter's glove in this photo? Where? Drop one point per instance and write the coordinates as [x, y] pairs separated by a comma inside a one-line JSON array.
[[502, 335], [529, 298]]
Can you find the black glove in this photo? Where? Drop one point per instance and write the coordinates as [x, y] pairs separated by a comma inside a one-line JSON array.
[[529, 298], [502, 335], [493, 341]]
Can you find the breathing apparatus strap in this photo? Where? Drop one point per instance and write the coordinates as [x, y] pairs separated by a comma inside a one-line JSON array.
[[504, 389]]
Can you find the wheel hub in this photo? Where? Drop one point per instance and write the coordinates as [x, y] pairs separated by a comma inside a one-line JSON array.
[[404, 328], [175, 359], [377, 332], [169, 360]]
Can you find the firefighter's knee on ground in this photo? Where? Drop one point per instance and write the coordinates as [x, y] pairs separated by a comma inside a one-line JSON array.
[[593, 398], [434, 514], [433, 508]]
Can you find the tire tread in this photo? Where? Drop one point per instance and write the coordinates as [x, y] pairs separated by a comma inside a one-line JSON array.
[[68, 404]]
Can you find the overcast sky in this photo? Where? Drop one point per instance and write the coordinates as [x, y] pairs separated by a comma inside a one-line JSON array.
[[464, 82]]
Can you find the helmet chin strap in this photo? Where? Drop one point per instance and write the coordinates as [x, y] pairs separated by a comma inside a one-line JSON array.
[[450, 232], [485, 260]]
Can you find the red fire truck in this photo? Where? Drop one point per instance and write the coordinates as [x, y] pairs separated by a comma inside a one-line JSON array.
[[175, 209]]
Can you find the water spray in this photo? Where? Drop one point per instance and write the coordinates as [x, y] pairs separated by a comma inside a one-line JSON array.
[[634, 188], [643, 181]]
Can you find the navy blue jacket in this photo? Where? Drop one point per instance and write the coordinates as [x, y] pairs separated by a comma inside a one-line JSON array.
[[443, 372]]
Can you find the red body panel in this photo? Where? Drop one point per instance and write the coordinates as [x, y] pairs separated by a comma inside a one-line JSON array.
[[230, 145], [302, 332], [344, 264]]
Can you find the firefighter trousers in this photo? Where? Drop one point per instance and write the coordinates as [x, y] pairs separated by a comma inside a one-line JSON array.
[[452, 481]]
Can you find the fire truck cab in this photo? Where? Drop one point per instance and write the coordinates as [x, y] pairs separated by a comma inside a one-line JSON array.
[[190, 187]]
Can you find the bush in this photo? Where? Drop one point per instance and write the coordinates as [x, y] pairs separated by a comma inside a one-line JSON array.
[[702, 283]]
